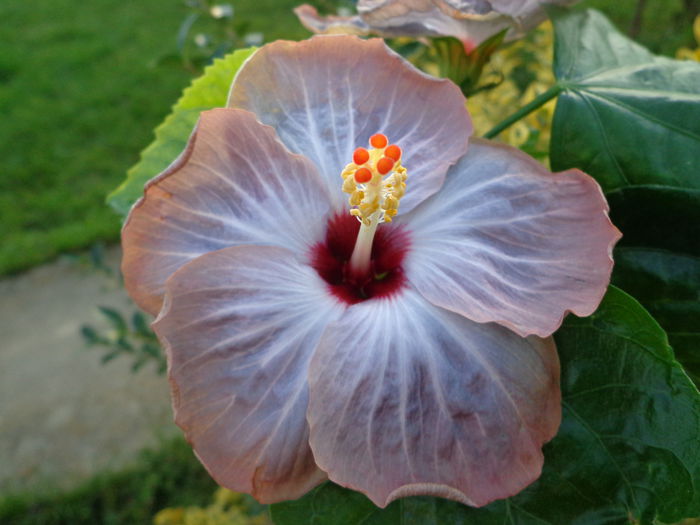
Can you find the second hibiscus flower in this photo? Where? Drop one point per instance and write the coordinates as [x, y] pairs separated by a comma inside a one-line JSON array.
[[471, 21], [308, 337]]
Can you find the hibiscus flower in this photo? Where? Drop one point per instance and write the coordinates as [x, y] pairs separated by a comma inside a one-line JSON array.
[[471, 21], [347, 287]]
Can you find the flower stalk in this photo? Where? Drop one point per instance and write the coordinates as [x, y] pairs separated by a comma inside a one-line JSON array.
[[360, 260], [525, 111]]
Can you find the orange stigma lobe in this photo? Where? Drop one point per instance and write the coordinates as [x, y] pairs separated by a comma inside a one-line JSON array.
[[360, 156], [378, 141], [384, 165], [363, 175], [393, 152]]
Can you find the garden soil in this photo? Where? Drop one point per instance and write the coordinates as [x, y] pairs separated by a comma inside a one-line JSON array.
[[63, 414]]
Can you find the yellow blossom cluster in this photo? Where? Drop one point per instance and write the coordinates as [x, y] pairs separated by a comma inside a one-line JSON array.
[[228, 508], [691, 54], [524, 70]]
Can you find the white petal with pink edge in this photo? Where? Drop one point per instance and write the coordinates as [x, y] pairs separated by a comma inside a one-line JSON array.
[[409, 399], [235, 183], [507, 241], [239, 327], [470, 23], [347, 25], [327, 95]]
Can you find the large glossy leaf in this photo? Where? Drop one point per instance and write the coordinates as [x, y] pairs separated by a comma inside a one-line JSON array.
[[658, 261], [624, 115], [206, 92], [632, 120], [627, 448]]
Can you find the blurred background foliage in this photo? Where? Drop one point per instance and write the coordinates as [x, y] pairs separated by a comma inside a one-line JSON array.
[[167, 477], [226, 508], [522, 71]]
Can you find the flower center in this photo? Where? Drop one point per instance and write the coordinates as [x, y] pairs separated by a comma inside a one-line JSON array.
[[376, 181], [357, 260], [331, 259]]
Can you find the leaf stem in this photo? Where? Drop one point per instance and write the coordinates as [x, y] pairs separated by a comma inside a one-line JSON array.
[[525, 110]]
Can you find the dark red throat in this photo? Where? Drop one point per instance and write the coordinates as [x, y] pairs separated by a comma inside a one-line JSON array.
[[385, 277]]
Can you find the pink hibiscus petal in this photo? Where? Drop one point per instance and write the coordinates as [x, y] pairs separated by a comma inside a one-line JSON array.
[[472, 20], [239, 327], [463, 20], [311, 20], [327, 95], [409, 399], [528, 12], [507, 241], [235, 183]]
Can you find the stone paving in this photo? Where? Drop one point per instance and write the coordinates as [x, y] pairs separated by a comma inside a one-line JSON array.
[[63, 414]]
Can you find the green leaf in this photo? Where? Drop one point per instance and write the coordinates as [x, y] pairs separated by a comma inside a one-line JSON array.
[[626, 450], [91, 336], [141, 326], [632, 120], [109, 357], [658, 261], [152, 351], [631, 413], [625, 116], [116, 319], [206, 92]]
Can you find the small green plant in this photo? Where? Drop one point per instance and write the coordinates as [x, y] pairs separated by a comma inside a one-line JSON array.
[[128, 334]]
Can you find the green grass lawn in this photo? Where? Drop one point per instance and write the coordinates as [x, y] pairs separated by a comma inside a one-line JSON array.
[[81, 90], [80, 93]]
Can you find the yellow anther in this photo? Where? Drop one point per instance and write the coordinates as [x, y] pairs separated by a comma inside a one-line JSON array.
[[390, 203], [348, 170], [356, 198], [367, 209], [375, 181], [349, 185]]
